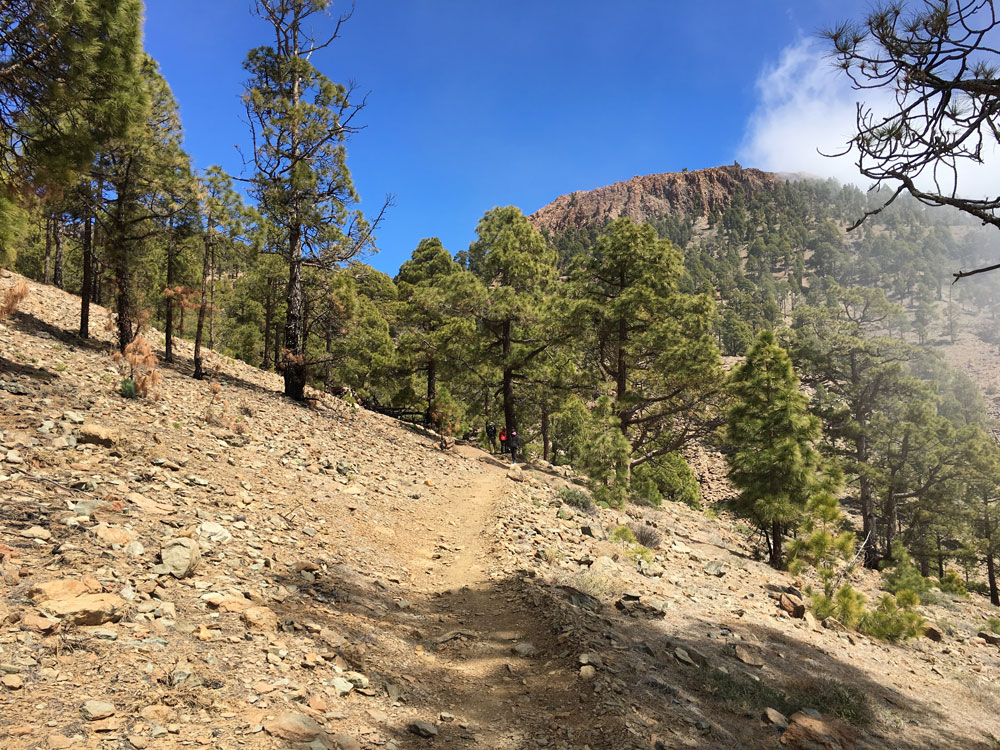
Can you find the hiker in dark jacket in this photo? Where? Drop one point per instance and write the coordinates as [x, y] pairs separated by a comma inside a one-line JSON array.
[[491, 435], [513, 444]]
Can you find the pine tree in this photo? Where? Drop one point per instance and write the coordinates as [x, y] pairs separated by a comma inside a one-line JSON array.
[[774, 462], [517, 267], [436, 301], [224, 220], [648, 340], [299, 122], [140, 175]]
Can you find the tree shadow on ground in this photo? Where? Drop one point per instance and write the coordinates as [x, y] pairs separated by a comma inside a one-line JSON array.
[[465, 665]]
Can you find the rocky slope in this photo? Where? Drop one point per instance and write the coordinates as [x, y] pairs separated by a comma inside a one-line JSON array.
[[235, 570], [645, 198]]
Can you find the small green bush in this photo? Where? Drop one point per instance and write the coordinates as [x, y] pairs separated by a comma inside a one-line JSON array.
[[894, 619], [993, 624], [952, 583], [623, 534], [846, 605], [637, 553], [127, 388], [577, 499], [669, 478], [899, 573]]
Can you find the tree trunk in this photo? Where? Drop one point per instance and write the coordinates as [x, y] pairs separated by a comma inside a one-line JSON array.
[[97, 297], [431, 386], [940, 558], [168, 323], [991, 576], [199, 373], [211, 302], [545, 432], [268, 320], [294, 361], [328, 348], [868, 529], [57, 275], [88, 277], [124, 306], [48, 249], [776, 552], [508, 380], [277, 348]]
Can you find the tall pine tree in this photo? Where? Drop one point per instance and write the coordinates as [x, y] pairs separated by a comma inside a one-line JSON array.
[[773, 463]]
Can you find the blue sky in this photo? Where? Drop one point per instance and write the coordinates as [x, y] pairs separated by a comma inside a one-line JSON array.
[[479, 103]]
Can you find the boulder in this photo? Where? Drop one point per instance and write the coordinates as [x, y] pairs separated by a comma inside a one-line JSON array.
[[933, 633], [39, 624], [95, 434], [37, 532], [89, 609], [515, 473], [775, 718], [423, 729], [214, 532], [60, 588], [97, 710], [180, 556], [991, 638], [112, 535], [593, 530], [260, 619], [748, 657], [294, 727], [792, 605], [810, 733]]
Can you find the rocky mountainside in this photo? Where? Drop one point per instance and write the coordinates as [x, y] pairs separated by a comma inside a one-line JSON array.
[[645, 198], [219, 567]]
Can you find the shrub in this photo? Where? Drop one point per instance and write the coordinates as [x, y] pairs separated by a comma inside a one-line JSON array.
[[637, 553], [668, 478], [623, 534], [899, 573], [847, 605], [952, 583], [993, 624], [139, 365], [646, 535], [11, 299], [577, 499], [894, 619]]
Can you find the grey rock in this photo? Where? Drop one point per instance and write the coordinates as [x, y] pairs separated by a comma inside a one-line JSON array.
[[525, 649], [423, 729], [180, 556], [96, 710], [715, 568], [214, 532]]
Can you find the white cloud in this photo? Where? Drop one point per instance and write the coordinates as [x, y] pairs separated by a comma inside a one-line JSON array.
[[807, 106]]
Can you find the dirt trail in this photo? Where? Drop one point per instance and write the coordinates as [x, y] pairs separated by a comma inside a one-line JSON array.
[[492, 659]]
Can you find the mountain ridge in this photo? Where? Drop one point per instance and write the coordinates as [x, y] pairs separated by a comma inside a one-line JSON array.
[[645, 197]]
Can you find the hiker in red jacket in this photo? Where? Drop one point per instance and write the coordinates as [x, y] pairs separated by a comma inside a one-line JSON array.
[[503, 440]]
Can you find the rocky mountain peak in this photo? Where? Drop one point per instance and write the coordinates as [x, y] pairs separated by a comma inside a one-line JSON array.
[[643, 198]]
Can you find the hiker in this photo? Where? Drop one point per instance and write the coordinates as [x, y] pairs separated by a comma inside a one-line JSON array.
[[503, 440], [513, 443], [491, 435]]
